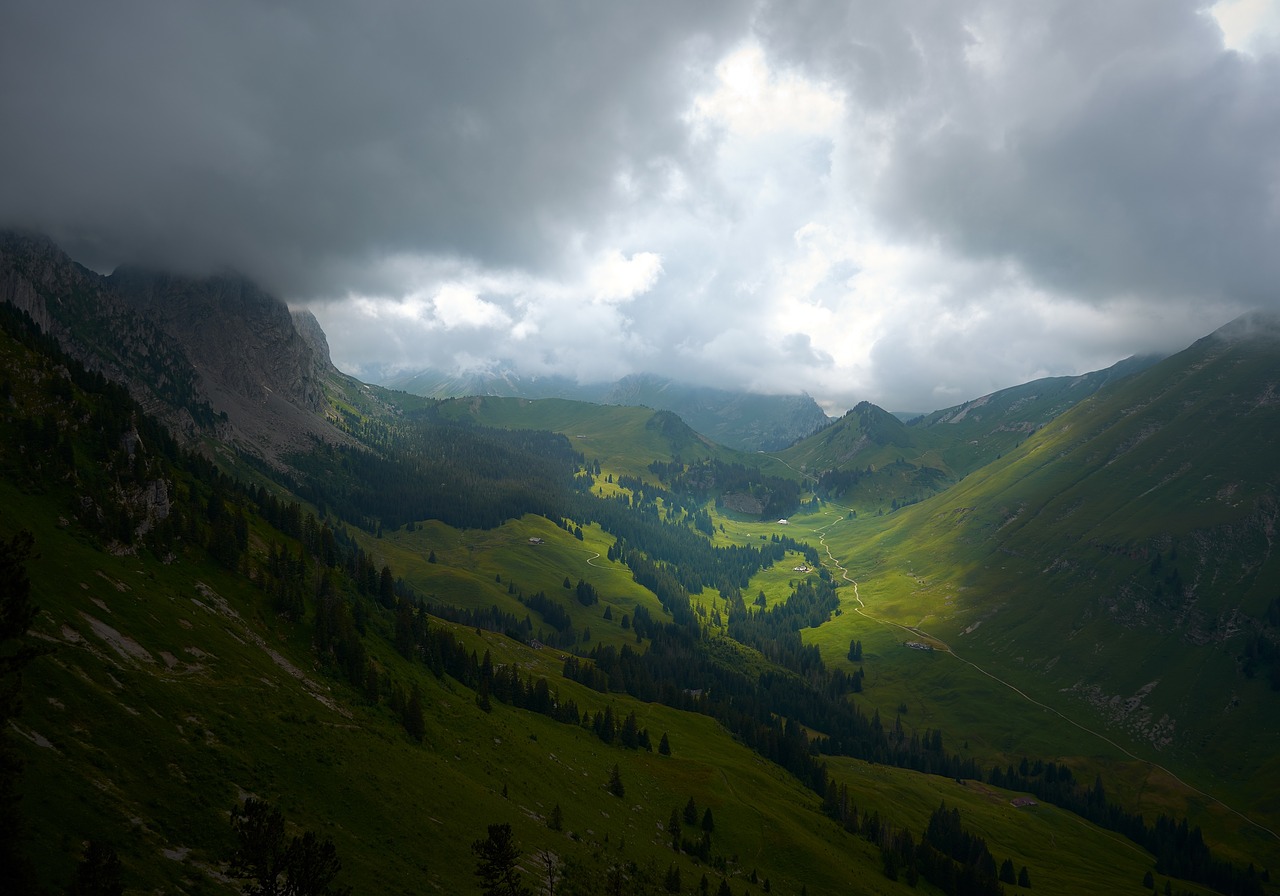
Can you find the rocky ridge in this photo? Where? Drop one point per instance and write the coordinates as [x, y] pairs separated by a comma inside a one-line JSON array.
[[210, 356]]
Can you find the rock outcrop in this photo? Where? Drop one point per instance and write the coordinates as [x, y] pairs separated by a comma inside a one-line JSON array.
[[310, 330], [207, 355]]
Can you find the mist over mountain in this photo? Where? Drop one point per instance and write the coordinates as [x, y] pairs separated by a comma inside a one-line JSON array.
[[742, 420]]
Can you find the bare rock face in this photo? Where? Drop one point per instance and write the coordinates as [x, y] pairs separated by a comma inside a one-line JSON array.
[[80, 310], [210, 355], [152, 502], [20, 285], [251, 359], [241, 339], [310, 330], [742, 503]]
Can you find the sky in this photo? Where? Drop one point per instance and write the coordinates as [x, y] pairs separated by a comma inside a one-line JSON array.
[[912, 203]]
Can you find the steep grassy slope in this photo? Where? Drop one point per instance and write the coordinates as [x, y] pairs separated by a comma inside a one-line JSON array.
[[980, 431], [1114, 568], [872, 462]]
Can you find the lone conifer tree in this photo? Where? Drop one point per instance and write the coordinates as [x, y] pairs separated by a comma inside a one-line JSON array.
[[496, 858], [300, 866], [261, 851], [1006, 871]]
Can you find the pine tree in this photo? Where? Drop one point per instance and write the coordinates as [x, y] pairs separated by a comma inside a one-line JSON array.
[[1006, 871], [1024, 878], [386, 588], [615, 782], [664, 745], [496, 859], [260, 849], [629, 733], [301, 866], [311, 866]]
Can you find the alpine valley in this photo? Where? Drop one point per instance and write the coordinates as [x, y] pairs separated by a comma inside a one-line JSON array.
[[269, 629]]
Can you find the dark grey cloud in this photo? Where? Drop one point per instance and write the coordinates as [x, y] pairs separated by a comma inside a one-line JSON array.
[[1109, 149], [300, 140], [913, 202]]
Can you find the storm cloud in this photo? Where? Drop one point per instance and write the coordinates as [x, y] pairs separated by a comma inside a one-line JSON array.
[[912, 203]]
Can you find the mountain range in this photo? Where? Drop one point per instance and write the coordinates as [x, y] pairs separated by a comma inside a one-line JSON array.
[[742, 420], [1029, 641]]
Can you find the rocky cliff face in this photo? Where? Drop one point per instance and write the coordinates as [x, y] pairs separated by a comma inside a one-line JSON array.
[[310, 330], [211, 355], [251, 360], [30, 267], [80, 310]]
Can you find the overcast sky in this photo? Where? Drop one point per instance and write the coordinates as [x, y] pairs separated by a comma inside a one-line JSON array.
[[912, 202]]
